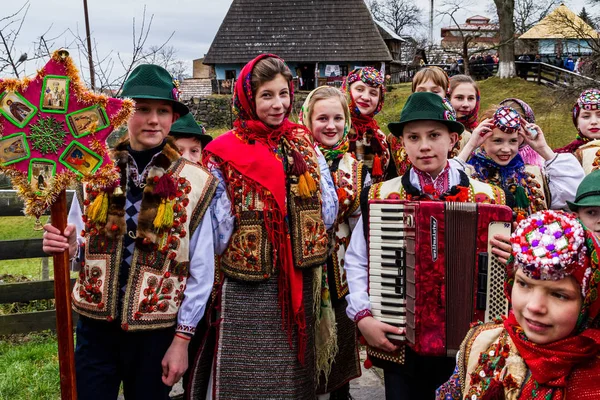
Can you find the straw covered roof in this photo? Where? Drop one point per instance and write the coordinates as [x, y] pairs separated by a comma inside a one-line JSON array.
[[561, 23]]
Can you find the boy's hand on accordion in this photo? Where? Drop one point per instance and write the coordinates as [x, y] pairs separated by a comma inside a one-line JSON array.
[[501, 247], [374, 333]]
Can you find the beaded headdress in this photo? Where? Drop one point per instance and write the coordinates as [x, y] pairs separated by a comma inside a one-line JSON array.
[[507, 119], [370, 77], [549, 245], [588, 100]]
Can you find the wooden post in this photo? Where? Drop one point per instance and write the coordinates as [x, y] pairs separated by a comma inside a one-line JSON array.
[[62, 295]]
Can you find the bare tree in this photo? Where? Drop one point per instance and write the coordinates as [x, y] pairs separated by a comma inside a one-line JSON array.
[[529, 12], [111, 69], [506, 49], [166, 57], [396, 14]]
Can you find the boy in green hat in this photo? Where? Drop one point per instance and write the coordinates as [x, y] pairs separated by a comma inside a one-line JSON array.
[[139, 250], [587, 202], [190, 138], [428, 131]]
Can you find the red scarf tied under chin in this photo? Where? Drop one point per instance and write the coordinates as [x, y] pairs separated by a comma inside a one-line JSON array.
[[252, 150]]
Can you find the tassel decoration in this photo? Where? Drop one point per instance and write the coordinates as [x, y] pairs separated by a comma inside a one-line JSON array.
[[495, 391], [164, 215], [98, 210], [312, 185], [377, 170], [303, 189], [368, 363], [298, 164], [165, 187], [521, 198]]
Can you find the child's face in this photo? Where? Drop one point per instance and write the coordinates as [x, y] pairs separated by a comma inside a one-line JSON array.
[[427, 144], [546, 310], [328, 121], [590, 216], [150, 123], [502, 147], [365, 97], [273, 100], [463, 99], [430, 86], [190, 149], [588, 123]]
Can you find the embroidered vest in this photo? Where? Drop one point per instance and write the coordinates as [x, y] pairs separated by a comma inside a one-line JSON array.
[[479, 192], [249, 255], [348, 178], [589, 156], [474, 373], [160, 261]]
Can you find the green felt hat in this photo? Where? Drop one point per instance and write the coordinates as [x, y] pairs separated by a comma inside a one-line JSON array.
[[148, 81], [423, 106], [187, 126], [588, 192]]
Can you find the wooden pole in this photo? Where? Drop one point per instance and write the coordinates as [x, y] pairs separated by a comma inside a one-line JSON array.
[[89, 46], [62, 294]]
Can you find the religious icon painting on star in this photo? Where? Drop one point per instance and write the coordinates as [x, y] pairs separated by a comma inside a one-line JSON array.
[[55, 94], [40, 173], [80, 159], [86, 121], [16, 108], [13, 148]]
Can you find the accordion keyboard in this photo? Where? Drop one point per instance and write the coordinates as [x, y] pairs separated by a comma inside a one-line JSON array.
[[387, 279]]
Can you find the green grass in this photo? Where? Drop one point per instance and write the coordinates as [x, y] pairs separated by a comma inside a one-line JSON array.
[[29, 370], [553, 114]]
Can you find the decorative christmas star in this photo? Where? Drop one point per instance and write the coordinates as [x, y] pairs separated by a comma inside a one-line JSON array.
[[53, 131]]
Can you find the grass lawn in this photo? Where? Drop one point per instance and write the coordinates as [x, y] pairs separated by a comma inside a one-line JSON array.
[[29, 368], [553, 114]]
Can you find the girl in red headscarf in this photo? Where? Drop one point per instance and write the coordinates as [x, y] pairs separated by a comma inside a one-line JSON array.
[[549, 345], [271, 212], [366, 91]]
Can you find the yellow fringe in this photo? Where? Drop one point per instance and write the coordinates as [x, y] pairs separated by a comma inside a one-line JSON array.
[[164, 215], [303, 189], [312, 186], [98, 210]]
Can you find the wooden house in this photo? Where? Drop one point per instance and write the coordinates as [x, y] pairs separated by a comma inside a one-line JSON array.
[[320, 40]]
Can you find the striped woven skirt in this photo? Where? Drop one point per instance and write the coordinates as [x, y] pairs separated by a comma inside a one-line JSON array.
[[247, 353]]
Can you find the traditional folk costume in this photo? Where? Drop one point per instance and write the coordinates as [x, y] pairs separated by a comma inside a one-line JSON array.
[[529, 156], [498, 361], [585, 149], [533, 188], [338, 359], [144, 245], [271, 223], [401, 158], [367, 142], [408, 375]]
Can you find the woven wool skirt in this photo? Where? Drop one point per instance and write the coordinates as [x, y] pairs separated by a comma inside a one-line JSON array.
[[346, 365], [248, 351]]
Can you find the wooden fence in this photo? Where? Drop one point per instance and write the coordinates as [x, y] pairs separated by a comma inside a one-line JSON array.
[[547, 74], [11, 206]]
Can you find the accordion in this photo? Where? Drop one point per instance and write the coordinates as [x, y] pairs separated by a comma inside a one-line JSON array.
[[431, 270]]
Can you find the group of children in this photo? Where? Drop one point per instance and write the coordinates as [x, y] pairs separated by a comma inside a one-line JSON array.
[[256, 253]]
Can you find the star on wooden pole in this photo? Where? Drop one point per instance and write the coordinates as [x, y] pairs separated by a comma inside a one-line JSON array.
[[53, 133]]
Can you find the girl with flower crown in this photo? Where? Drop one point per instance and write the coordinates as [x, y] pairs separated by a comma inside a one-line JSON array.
[[325, 112], [548, 347], [493, 155], [586, 117], [366, 92], [274, 204]]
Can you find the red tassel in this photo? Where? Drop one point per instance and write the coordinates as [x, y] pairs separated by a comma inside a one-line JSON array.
[[165, 187], [342, 196], [377, 170], [495, 391], [368, 363], [298, 164]]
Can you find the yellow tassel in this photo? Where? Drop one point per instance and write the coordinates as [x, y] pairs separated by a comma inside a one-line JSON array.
[[164, 215], [303, 189], [312, 186], [98, 210]]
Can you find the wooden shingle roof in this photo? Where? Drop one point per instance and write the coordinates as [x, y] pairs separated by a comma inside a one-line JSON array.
[[298, 31]]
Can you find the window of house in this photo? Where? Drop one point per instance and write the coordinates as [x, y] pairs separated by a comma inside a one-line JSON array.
[[230, 74]]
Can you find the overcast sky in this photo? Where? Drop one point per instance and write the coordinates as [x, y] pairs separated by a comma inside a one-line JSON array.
[[195, 23]]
